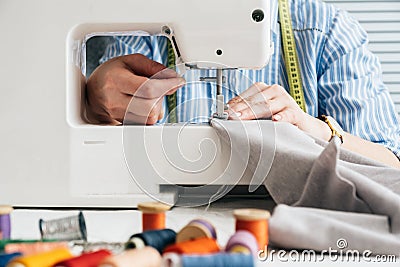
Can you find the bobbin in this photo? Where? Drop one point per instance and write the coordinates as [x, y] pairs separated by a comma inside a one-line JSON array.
[[197, 228], [5, 221], [153, 215], [255, 221], [67, 228]]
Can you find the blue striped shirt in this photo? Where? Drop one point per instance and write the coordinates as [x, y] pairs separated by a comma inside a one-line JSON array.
[[341, 77]]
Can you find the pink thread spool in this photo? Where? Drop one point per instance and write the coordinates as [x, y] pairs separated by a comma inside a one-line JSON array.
[[242, 242]]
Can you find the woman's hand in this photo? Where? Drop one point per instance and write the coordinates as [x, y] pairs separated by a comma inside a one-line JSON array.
[[263, 101], [131, 89]]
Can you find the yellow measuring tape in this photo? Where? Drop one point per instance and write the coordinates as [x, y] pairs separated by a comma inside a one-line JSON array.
[[290, 55], [171, 99]]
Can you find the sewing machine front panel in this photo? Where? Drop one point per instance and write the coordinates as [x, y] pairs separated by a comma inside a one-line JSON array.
[[51, 155]]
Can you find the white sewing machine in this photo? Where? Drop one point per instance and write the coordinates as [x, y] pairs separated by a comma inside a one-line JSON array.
[[50, 155]]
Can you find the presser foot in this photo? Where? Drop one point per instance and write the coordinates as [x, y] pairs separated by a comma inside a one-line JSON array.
[[223, 116]]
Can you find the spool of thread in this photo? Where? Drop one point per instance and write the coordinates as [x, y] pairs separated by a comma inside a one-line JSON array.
[[6, 258], [256, 222], [145, 257], [214, 260], [91, 259], [242, 242], [34, 248], [68, 228], [153, 215], [202, 245], [5, 222], [197, 228], [5, 242], [158, 239], [46, 259]]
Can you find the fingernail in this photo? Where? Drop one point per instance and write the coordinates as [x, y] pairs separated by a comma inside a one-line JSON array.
[[277, 117], [238, 114]]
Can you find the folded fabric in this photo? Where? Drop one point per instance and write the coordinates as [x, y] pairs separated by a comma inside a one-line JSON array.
[[324, 193]]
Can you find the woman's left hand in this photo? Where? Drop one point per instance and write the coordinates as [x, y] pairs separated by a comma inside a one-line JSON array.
[[263, 101]]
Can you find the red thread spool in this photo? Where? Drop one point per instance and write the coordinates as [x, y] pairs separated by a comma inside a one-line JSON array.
[[91, 259], [153, 215], [256, 222], [197, 246]]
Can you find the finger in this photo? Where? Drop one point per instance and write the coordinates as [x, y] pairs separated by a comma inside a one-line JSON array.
[[123, 81], [157, 88], [98, 116], [131, 118], [286, 115], [145, 107], [166, 74], [129, 83], [236, 107], [117, 112], [263, 110], [252, 90], [158, 110], [264, 97], [161, 113], [143, 66], [254, 112]]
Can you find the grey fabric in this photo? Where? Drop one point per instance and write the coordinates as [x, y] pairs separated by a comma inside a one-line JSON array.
[[323, 193]]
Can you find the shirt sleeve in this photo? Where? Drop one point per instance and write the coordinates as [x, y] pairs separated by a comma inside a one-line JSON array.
[[351, 88], [153, 47]]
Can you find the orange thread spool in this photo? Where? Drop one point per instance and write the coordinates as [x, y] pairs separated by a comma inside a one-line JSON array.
[[153, 221], [203, 245], [254, 221], [153, 215]]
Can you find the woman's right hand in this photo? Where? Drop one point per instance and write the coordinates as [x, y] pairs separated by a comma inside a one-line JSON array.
[[131, 80]]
